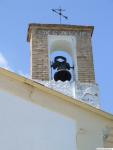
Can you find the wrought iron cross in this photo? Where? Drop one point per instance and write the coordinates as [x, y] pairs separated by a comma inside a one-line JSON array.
[[60, 11]]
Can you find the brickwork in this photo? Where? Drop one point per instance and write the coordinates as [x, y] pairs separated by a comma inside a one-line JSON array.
[[85, 58], [39, 56], [38, 37]]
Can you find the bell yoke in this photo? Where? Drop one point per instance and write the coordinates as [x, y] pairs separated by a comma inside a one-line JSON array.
[[60, 63]]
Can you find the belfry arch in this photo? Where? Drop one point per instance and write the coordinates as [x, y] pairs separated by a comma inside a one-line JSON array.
[[63, 46]]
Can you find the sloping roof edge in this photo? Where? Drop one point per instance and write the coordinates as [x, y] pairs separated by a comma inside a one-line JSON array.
[[55, 93]]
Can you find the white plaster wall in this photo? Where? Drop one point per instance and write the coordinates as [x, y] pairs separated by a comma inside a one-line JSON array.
[[20, 118], [25, 126]]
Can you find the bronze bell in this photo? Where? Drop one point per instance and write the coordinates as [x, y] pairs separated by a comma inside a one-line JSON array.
[[63, 74]]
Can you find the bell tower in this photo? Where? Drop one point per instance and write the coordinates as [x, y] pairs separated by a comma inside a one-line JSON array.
[[61, 58]]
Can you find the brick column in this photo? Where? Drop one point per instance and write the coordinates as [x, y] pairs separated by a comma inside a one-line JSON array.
[[39, 55], [85, 58]]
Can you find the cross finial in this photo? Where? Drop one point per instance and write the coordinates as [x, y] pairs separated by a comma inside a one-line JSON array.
[[60, 11]]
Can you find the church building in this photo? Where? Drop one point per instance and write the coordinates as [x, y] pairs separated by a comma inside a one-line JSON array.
[[58, 107]]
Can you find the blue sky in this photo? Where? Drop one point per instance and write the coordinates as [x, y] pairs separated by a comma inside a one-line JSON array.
[[14, 49]]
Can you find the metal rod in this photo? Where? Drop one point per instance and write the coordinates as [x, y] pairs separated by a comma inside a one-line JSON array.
[[60, 19], [59, 12]]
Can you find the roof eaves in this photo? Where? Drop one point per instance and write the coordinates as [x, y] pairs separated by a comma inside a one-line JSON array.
[[55, 93]]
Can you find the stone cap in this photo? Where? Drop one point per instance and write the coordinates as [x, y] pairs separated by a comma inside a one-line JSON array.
[[62, 27]]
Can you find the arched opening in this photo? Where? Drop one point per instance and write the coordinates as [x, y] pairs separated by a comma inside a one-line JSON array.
[[62, 45], [62, 57]]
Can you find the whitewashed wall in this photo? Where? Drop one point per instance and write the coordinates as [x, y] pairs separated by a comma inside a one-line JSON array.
[[25, 126]]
